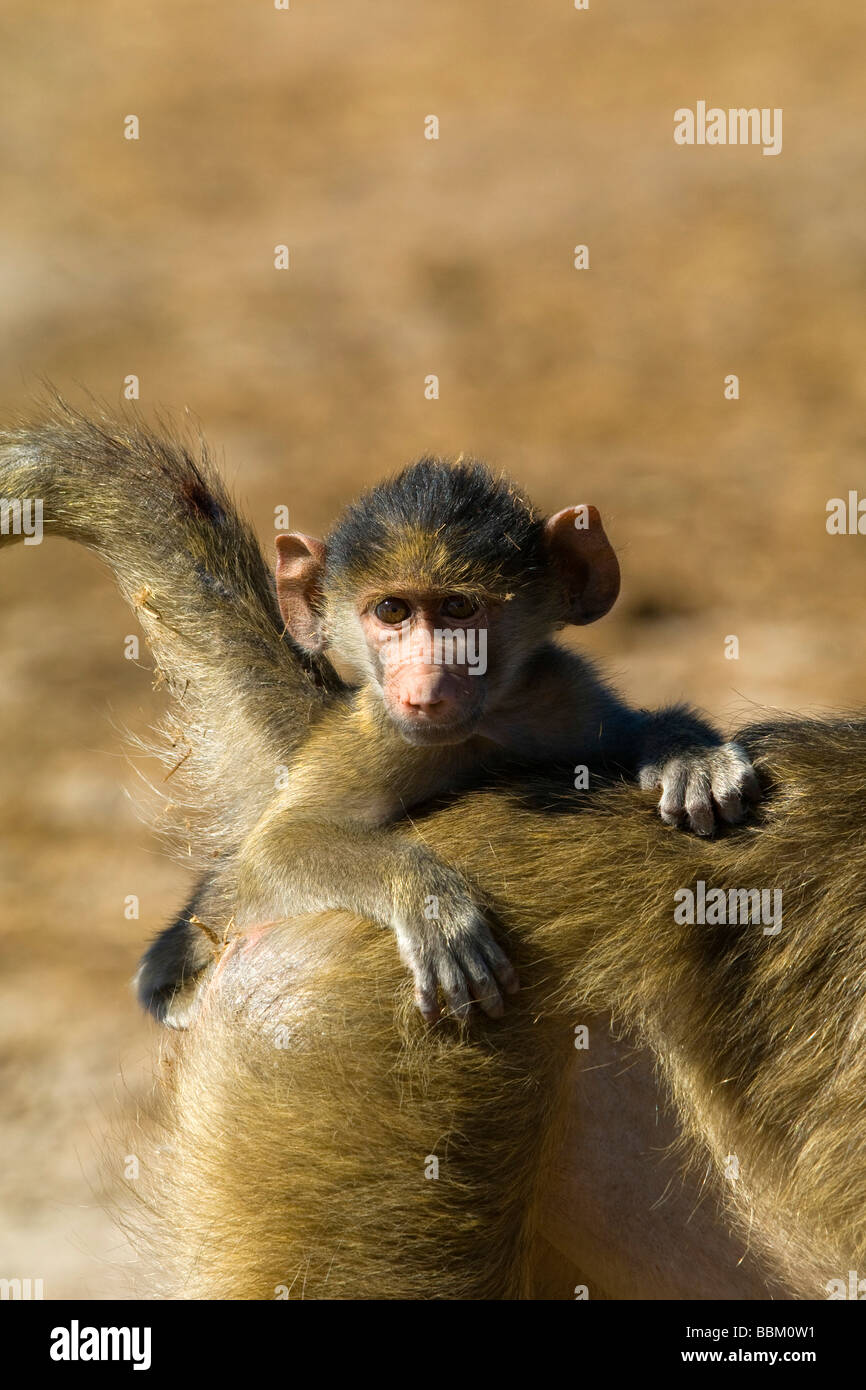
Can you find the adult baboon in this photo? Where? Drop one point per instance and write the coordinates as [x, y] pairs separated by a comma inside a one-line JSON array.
[[304, 1107]]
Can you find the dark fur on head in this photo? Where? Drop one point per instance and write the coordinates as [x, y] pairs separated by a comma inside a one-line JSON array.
[[448, 525]]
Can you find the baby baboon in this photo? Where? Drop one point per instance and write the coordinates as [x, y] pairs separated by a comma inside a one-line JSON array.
[[422, 577], [441, 590]]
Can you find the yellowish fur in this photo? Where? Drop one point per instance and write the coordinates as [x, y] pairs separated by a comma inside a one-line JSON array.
[[302, 1166]]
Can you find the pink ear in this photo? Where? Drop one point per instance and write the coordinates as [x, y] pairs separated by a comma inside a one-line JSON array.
[[299, 573], [586, 562]]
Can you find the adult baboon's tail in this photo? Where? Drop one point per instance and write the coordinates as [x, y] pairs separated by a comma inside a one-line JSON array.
[[192, 571]]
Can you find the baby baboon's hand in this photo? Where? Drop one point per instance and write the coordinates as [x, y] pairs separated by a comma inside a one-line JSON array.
[[704, 785], [446, 942]]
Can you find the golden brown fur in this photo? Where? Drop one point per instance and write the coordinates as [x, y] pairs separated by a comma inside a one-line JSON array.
[[304, 1166]]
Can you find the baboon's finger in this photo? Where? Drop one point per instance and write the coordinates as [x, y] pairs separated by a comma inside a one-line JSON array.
[[730, 806], [482, 985], [699, 803], [674, 784], [426, 994], [750, 787], [454, 987], [506, 975]]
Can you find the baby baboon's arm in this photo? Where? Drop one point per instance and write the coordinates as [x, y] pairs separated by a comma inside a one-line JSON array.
[[442, 935], [702, 778]]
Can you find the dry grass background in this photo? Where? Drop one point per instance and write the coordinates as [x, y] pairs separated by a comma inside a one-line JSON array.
[[409, 257]]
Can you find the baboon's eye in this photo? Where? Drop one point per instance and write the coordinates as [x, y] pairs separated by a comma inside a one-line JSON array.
[[459, 606], [392, 610]]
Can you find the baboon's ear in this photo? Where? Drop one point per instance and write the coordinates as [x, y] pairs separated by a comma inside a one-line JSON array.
[[300, 571], [584, 557]]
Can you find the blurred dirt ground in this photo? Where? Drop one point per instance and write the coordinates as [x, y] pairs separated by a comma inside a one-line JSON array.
[[408, 257]]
